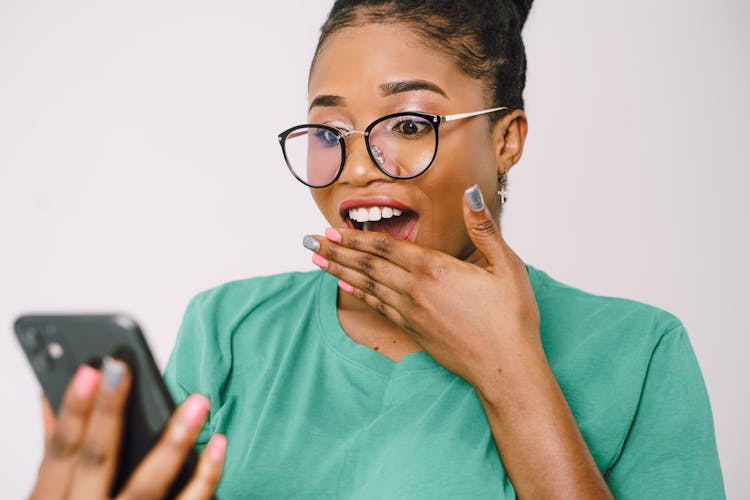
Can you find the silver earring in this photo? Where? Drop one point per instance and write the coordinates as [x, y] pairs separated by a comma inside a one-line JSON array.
[[502, 194]]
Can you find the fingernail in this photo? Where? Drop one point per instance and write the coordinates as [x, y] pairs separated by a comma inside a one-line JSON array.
[[86, 380], [346, 286], [217, 447], [310, 243], [333, 235], [113, 373], [320, 261], [474, 198], [195, 409]]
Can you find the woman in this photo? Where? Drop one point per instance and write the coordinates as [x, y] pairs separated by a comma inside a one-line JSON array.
[[425, 360]]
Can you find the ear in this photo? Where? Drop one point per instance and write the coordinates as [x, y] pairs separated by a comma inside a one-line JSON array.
[[508, 138]]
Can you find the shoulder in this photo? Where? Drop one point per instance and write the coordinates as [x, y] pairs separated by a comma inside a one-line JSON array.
[[564, 307], [215, 317], [232, 316], [619, 362], [600, 342]]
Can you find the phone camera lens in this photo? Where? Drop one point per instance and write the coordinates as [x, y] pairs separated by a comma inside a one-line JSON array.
[[30, 339], [40, 363]]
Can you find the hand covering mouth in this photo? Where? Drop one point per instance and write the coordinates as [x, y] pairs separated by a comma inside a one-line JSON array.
[[383, 216]]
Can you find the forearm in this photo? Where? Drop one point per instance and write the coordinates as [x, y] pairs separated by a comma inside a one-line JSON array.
[[535, 432]]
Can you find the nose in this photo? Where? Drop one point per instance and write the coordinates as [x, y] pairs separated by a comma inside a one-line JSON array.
[[359, 168]]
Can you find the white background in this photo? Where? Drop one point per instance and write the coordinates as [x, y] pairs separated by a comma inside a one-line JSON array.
[[139, 165]]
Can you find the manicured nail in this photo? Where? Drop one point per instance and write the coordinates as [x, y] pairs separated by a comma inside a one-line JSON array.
[[113, 373], [194, 410], [320, 261], [474, 197], [333, 235], [310, 243], [345, 286], [86, 380], [217, 447]]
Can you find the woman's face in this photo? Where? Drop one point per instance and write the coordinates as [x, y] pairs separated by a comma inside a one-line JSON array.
[[352, 70]]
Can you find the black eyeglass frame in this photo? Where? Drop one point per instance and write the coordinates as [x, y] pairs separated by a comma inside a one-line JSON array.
[[433, 119]]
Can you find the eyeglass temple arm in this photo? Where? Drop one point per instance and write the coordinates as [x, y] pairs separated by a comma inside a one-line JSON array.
[[458, 116]]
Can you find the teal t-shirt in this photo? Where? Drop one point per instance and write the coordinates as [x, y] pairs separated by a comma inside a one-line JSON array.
[[311, 414]]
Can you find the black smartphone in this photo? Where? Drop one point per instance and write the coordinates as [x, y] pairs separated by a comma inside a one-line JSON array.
[[56, 345]]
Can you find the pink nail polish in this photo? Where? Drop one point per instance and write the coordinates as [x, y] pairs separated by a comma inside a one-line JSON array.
[[320, 261], [333, 235], [217, 447], [86, 380], [195, 409], [345, 286]]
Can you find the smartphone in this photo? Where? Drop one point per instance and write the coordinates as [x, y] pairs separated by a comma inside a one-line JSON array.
[[56, 345]]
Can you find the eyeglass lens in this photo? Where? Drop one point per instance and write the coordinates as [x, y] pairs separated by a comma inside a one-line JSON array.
[[402, 146]]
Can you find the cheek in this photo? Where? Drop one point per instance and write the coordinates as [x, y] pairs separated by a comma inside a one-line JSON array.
[[467, 154], [460, 165], [321, 197]]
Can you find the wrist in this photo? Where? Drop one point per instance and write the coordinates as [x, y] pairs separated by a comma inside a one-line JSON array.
[[519, 380]]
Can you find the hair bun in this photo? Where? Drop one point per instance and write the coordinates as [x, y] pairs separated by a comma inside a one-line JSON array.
[[522, 8]]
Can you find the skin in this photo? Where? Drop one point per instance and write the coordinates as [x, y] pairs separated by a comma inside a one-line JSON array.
[[458, 291], [82, 442]]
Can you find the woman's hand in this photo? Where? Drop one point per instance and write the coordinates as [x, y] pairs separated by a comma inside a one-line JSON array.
[[81, 445], [482, 323], [471, 319]]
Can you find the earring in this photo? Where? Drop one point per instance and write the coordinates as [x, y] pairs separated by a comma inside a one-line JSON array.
[[502, 194]]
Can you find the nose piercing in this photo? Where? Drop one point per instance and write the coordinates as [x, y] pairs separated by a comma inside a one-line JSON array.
[[378, 154]]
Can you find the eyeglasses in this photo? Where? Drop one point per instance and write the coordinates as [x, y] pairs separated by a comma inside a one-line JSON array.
[[402, 145]]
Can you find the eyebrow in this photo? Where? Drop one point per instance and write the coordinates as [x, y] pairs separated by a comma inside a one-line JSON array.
[[391, 88], [386, 89], [327, 101]]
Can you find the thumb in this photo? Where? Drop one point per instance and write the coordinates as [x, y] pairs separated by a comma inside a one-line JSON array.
[[481, 227], [48, 418]]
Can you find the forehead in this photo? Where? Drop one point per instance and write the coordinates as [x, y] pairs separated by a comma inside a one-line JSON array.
[[356, 61]]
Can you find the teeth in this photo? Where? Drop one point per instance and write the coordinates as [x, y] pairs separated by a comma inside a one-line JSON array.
[[362, 215], [373, 214]]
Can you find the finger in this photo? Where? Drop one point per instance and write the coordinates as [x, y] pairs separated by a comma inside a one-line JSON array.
[[359, 280], [360, 268], [60, 451], [403, 253], [97, 459], [155, 474], [48, 418], [481, 227], [376, 303], [207, 475]]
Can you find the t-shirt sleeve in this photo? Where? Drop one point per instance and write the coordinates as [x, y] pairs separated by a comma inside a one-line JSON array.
[[198, 362], [670, 450]]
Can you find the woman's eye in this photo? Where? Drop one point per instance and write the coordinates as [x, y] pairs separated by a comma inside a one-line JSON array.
[[326, 137], [410, 127]]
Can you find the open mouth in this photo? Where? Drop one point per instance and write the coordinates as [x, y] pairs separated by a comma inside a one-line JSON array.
[[383, 217]]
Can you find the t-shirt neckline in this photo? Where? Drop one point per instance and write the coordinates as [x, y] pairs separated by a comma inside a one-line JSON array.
[[362, 356], [357, 354]]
